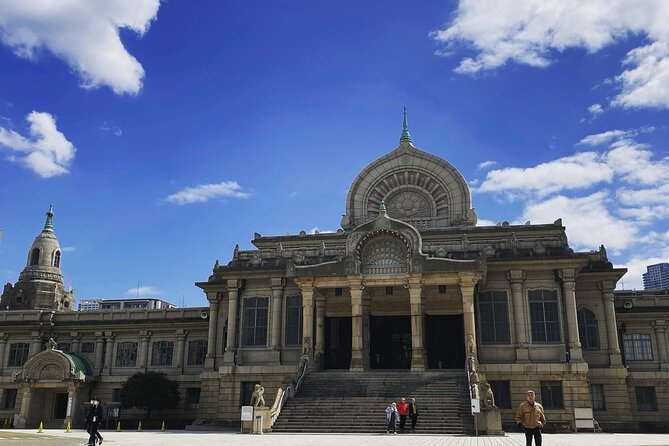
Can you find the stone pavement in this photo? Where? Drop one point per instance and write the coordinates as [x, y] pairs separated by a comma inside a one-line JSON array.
[[182, 438]]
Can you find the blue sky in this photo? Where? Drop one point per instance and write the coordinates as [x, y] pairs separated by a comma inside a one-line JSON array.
[[164, 133]]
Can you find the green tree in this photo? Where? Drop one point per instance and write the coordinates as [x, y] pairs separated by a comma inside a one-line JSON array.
[[150, 391]]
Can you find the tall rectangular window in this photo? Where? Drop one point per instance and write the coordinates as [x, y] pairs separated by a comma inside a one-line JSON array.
[[637, 347], [293, 321], [10, 399], [493, 317], [126, 354], [597, 396], [254, 324], [645, 399], [18, 354], [551, 395], [162, 352], [197, 351], [192, 397], [502, 392], [544, 316], [88, 347]]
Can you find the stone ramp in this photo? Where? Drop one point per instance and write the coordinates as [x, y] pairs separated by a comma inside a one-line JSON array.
[[339, 401]]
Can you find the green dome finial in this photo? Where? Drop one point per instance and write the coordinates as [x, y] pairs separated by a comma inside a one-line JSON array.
[[382, 207], [48, 225], [405, 129]]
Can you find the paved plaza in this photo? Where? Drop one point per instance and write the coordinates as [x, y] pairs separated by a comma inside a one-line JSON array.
[[181, 438]]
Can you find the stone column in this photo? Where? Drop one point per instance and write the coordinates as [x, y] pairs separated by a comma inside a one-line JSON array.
[[36, 344], [416, 303], [366, 329], [3, 349], [569, 284], [467, 287], [144, 349], [24, 413], [109, 352], [231, 341], [214, 299], [277, 306], [75, 346], [320, 329], [356, 326], [660, 327], [307, 317], [606, 288], [99, 350], [516, 278], [181, 346]]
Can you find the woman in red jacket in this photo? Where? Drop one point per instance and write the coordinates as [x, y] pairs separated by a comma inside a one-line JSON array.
[[403, 411]]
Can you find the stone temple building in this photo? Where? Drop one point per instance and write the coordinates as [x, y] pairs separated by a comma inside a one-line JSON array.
[[409, 292]]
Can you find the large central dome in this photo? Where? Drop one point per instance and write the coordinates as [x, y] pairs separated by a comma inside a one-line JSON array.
[[417, 187]]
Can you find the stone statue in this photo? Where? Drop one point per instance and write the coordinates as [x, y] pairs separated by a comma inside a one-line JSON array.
[[487, 397], [257, 398], [474, 382], [51, 344]]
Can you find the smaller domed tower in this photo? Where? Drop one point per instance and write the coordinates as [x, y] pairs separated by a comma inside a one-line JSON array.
[[40, 285]]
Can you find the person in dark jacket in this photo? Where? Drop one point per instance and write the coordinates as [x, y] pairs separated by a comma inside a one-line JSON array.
[[413, 413], [93, 419]]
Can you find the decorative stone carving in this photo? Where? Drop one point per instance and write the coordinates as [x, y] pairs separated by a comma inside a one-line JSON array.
[[409, 204], [257, 398], [384, 254], [487, 397], [52, 372]]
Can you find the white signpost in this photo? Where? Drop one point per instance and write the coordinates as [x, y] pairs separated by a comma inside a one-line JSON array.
[[247, 415], [69, 407]]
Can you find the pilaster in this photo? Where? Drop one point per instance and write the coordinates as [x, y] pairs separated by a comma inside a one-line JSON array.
[[660, 327], [231, 340], [416, 303], [516, 279], [606, 289], [568, 276], [356, 289]]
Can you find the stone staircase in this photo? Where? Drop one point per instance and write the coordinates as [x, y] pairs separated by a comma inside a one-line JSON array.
[[342, 401]]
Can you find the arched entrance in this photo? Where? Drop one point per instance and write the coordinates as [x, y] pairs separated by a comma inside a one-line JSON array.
[[54, 386]]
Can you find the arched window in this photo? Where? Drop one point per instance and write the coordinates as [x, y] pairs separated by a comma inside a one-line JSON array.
[[56, 259], [34, 257], [588, 332]]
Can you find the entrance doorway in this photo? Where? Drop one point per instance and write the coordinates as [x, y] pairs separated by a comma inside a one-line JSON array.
[[60, 406], [445, 342], [390, 342], [338, 342]]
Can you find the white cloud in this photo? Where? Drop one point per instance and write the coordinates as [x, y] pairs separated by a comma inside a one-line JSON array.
[[46, 150], [584, 217], [68, 249], [607, 137], [578, 171], [484, 222], [83, 33], [206, 192], [486, 164], [530, 32], [143, 291], [318, 231], [596, 110], [107, 128]]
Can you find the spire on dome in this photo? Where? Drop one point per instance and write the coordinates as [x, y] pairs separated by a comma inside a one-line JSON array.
[[48, 225], [382, 207], [405, 129]]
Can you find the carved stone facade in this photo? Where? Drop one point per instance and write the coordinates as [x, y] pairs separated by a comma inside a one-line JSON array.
[[408, 282]]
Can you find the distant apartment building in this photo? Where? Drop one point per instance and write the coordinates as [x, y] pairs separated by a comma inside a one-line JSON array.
[[124, 304], [656, 277], [89, 305]]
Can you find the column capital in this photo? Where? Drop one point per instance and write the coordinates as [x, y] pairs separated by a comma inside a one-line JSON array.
[[516, 275], [110, 335], [233, 284], [277, 283], [606, 286], [213, 296], [567, 274], [660, 326], [145, 334], [4, 337], [182, 333], [468, 279]]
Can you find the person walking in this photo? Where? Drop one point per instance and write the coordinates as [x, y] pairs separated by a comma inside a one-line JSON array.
[[530, 416], [93, 419], [413, 414], [391, 415], [403, 411]]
